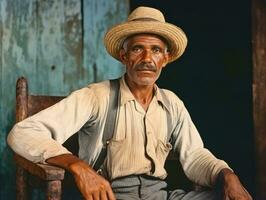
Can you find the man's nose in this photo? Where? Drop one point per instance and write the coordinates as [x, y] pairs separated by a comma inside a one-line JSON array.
[[147, 56]]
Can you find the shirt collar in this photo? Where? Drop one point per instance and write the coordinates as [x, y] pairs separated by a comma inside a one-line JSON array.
[[127, 96], [125, 92], [159, 97]]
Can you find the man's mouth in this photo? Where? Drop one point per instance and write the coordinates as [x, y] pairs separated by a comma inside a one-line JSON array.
[[146, 67]]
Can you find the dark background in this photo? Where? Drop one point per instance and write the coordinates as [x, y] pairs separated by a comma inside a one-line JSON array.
[[214, 76]]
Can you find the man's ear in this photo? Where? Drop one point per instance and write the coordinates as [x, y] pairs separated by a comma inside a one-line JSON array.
[[123, 56], [166, 58]]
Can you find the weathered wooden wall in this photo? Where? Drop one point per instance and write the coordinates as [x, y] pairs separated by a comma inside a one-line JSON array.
[[57, 45], [259, 91]]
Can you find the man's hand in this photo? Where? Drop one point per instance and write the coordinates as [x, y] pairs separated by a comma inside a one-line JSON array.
[[231, 186], [91, 185]]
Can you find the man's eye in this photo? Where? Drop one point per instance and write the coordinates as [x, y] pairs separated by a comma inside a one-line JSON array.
[[157, 50], [136, 49]]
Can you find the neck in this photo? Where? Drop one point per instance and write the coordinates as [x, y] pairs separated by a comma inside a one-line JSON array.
[[142, 93]]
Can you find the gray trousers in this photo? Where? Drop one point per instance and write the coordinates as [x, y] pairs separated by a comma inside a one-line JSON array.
[[141, 187], [145, 188]]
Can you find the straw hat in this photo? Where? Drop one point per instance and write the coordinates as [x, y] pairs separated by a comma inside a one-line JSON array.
[[146, 20]]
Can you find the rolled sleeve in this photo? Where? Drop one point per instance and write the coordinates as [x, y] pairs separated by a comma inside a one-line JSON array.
[[198, 163], [41, 136]]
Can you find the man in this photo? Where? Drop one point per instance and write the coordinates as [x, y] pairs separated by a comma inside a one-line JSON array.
[[134, 165]]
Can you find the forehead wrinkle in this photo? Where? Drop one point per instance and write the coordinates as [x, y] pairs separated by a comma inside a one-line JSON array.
[[124, 45]]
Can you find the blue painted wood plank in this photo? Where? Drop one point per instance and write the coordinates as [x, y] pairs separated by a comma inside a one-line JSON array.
[[50, 59], [73, 45], [99, 15], [18, 50], [18, 57]]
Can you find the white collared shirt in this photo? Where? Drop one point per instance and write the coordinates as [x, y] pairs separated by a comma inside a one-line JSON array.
[[138, 145]]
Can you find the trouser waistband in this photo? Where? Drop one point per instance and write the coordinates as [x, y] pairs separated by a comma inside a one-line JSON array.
[[134, 180]]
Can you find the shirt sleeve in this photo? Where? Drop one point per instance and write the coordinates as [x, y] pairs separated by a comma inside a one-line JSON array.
[[41, 136], [198, 163]]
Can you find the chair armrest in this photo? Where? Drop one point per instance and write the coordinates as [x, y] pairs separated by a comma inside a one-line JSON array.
[[44, 171]]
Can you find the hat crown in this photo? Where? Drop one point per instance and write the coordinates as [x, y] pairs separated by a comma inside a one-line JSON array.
[[142, 13], [149, 21]]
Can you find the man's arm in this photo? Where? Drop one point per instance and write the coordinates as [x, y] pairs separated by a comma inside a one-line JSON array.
[[195, 158], [192, 154], [231, 186], [91, 185], [41, 136]]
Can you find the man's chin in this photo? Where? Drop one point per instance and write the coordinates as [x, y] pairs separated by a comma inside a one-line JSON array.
[[146, 81]]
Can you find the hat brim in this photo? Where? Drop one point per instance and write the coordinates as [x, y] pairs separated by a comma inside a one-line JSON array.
[[175, 37]]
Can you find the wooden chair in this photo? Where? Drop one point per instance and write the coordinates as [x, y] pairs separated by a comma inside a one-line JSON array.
[[27, 105]]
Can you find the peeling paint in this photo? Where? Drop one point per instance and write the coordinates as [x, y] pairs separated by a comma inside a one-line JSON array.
[[95, 15]]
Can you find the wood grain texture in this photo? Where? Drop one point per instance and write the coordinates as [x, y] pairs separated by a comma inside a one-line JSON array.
[[45, 172], [21, 187], [55, 190], [259, 91], [21, 99]]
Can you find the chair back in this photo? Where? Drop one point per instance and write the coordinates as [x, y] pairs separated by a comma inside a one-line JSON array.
[[28, 105]]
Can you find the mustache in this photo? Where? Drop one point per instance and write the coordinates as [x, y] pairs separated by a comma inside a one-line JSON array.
[[146, 67]]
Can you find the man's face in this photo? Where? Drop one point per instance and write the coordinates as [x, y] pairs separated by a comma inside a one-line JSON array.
[[144, 56]]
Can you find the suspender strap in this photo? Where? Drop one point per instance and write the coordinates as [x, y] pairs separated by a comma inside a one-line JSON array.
[[110, 121], [112, 111], [168, 116]]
